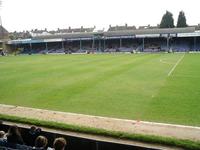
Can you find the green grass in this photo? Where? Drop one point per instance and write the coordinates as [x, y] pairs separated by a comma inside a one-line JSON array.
[[122, 86], [186, 144]]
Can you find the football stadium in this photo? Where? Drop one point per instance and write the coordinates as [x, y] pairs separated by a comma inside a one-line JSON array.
[[123, 88]]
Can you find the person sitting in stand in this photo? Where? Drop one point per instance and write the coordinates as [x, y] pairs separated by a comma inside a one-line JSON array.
[[14, 136], [59, 144], [41, 143]]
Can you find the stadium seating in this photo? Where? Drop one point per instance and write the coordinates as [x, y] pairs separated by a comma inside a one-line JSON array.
[[73, 142], [112, 46], [115, 39]]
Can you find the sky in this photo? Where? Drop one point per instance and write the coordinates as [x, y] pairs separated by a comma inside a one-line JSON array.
[[19, 15]]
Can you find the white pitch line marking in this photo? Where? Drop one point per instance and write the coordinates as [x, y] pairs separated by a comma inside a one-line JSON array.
[[174, 67], [165, 62]]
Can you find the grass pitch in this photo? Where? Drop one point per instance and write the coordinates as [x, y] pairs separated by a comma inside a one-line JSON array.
[[115, 85]]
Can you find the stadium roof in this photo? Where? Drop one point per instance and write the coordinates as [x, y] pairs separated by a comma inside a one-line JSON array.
[[150, 31], [118, 33], [67, 35]]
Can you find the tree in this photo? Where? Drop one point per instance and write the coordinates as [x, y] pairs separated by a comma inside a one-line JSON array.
[[181, 23], [167, 20]]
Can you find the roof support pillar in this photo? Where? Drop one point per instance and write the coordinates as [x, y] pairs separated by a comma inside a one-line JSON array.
[[143, 44], [195, 41], [80, 44], [168, 43], [30, 46], [99, 45], [104, 44], [46, 45], [63, 46], [120, 42], [93, 43]]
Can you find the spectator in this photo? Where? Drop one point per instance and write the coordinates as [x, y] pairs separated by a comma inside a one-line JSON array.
[[14, 135], [38, 130], [59, 144], [41, 142], [32, 129], [2, 133], [29, 137], [3, 140]]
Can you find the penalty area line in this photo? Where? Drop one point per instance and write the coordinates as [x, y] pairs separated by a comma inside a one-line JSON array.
[[174, 67]]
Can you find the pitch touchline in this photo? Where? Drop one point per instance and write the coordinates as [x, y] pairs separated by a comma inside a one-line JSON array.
[[170, 72]]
